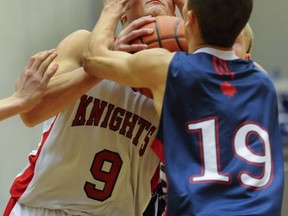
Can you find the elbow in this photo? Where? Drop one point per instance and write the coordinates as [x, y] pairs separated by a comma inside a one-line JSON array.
[[86, 62], [29, 119], [89, 64]]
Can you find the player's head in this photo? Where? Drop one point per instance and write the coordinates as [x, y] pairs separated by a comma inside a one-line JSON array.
[[243, 43], [219, 22], [139, 8]]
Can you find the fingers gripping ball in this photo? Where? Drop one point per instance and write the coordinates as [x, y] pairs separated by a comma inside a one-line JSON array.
[[168, 33]]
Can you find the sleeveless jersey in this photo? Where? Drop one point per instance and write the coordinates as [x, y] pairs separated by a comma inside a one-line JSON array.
[[95, 158], [219, 128]]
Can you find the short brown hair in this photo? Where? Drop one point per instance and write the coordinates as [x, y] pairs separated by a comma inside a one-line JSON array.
[[221, 21]]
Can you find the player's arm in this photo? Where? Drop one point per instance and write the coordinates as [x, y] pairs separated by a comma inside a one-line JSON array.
[[30, 86], [68, 84], [146, 68], [71, 82]]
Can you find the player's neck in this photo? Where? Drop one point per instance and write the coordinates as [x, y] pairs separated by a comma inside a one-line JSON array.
[[195, 45]]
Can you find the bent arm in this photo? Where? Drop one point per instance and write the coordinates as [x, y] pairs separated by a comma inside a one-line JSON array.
[[30, 86], [146, 68], [68, 84]]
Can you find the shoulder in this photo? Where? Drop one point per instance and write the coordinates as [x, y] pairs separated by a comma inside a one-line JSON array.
[[79, 34], [74, 40], [260, 67], [72, 45]]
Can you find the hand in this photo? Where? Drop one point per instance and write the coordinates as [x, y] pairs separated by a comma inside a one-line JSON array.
[[131, 32], [117, 7], [33, 81]]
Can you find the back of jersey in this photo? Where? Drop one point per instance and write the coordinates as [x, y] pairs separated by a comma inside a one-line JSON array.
[[220, 131]]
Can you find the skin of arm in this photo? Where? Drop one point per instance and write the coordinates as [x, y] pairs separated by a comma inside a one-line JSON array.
[[10, 106], [30, 86], [68, 84], [147, 68], [71, 81]]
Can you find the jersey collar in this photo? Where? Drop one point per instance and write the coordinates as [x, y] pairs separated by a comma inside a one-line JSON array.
[[225, 55]]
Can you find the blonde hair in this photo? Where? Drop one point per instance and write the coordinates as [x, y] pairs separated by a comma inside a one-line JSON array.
[[249, 37]]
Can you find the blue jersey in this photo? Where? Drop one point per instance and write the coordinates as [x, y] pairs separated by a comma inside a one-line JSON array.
[[219, 127]]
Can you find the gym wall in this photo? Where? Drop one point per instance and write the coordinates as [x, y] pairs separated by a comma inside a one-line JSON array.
[[30, 26]]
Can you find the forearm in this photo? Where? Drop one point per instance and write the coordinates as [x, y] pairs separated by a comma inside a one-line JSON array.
[[11, 106], [101, 40], [62, 91], [103, 32], [69, 82]]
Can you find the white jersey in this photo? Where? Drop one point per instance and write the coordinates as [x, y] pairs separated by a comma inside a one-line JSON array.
[[95, 158]]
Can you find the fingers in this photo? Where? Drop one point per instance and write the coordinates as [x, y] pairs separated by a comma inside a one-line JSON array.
[[38, 66], [132, 32], [136, 24], [30, 62], [42, 59], [48, 74], [136, 34], [131, 48], [46, 61], [134, 27]]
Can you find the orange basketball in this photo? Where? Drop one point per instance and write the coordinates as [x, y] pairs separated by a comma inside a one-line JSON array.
[[168, 33]]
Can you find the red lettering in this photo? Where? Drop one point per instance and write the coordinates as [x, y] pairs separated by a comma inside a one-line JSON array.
[[81, 112], [115, 121], [146, 140], [144, 124], [107, 116], [97, 111], [129, 124]]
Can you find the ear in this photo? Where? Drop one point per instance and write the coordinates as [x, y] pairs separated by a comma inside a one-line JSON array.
[[192, 19], [247, 56]]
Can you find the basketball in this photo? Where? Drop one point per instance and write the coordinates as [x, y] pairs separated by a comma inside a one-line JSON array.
[[168, 33]]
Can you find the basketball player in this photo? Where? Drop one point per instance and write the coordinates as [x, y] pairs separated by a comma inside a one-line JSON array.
[[219, 117], [242, 48], [30, 86], [94, 157]]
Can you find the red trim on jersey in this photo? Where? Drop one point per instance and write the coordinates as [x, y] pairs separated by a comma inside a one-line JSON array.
[[10, 205], [21, 182], [158, 148]]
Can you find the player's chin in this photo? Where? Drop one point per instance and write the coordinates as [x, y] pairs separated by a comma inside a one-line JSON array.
[[145, 91]]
